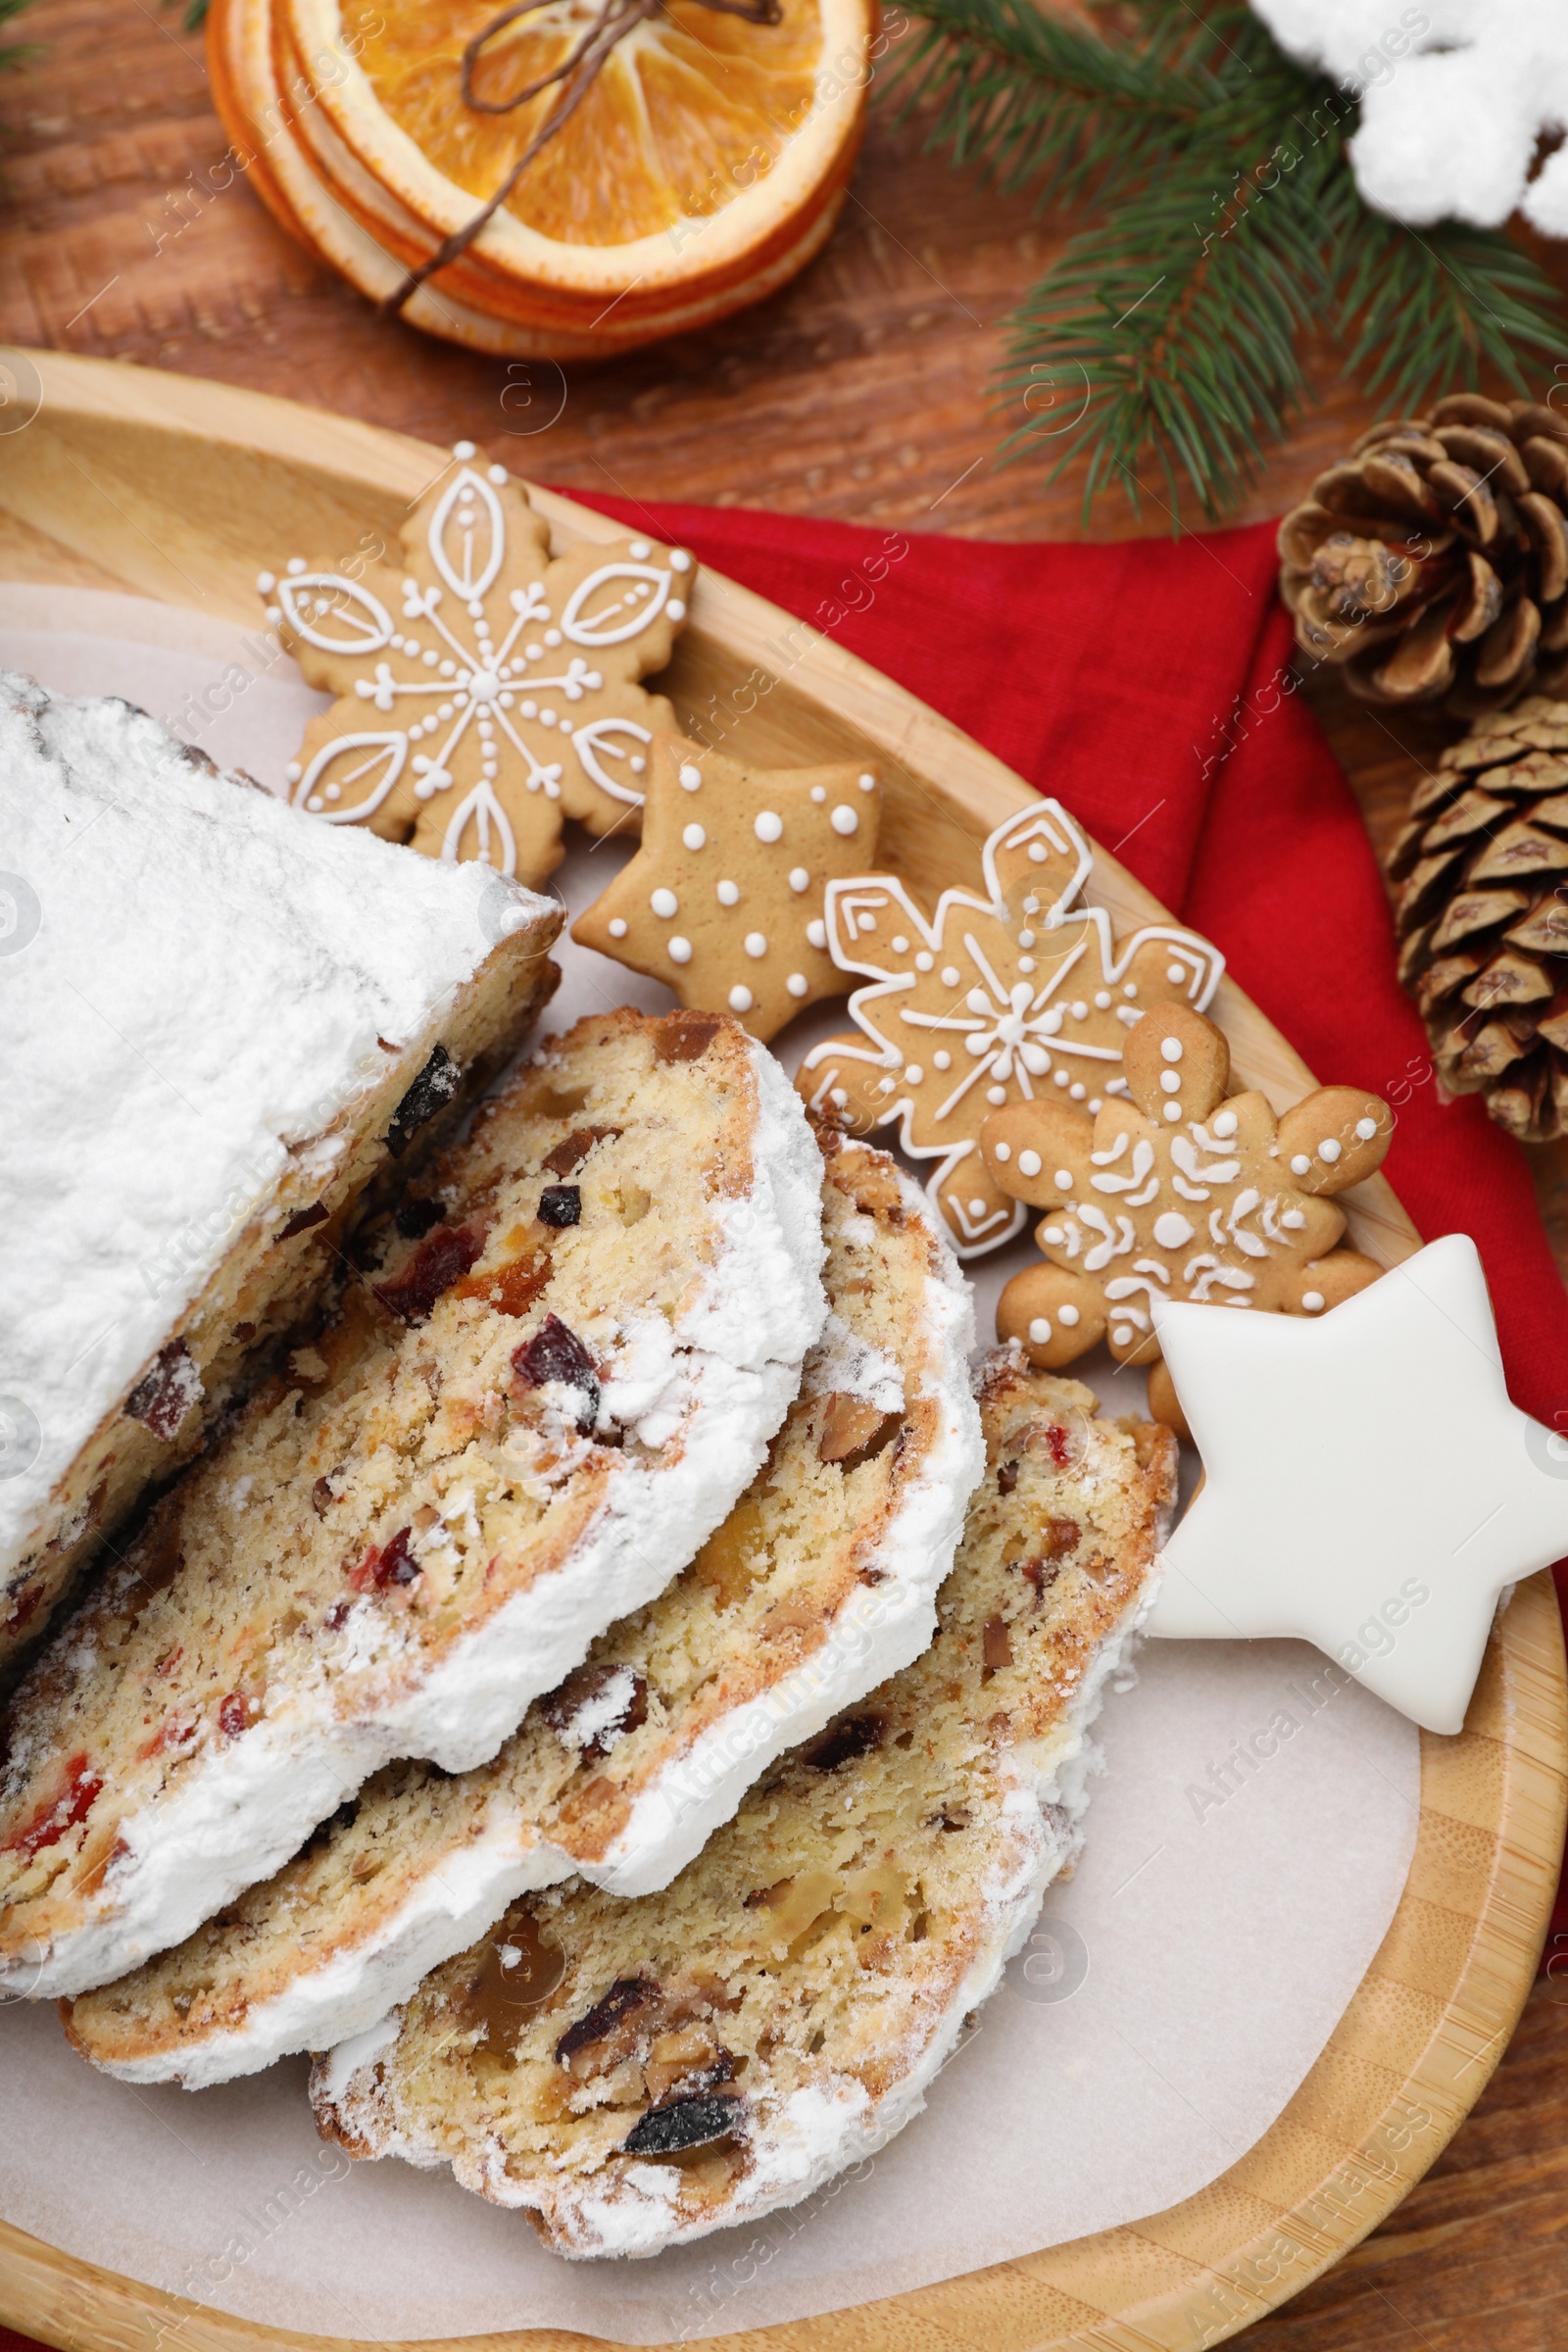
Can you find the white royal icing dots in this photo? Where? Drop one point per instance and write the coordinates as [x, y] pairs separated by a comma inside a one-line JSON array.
[[1174, 974], [1171, 1231], [675, 608], [924, 960], [740, 999], [1224, 1122], [639, 550], [1313, 1303], [1173, 1110], [680, 561], [951, 975], [977, 1208], [1002, 1151], [693, 837], [1068, 1315], [680, 950], [866, 783], [617, 926], [769, 825], [729, 894], [1170, 1049], [797, 984], [1365, 1130], [1171, 1081], [1328, 1149], [691, 777], [942, 1060], [845, 819], [995, 1093], [1039, 1332], [1294, 1218], [1301, 1165], [1028, 1163], [799, 879], [665, 903], [756, 944], [1064, 1180], [816, 933], [913, 1073]]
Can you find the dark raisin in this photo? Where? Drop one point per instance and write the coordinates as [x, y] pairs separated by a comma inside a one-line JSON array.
[[844, 1742], [163, 1398], [995, 1646], [435, 1267], [562, 1707], [559, 1204], [555, 1353], [321, 1497], [685, 1036], [1007, 1478], [623, 2004], [415, 1218], [337, 1616], [303, 1219], [393, 1563], [571, 1153], [431, 1091], [683, 2124]]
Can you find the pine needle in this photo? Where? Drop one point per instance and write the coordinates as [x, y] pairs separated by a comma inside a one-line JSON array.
[[1228, 227]]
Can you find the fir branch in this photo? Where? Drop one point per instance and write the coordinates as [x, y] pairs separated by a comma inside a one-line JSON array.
[[1230, 227], [15, 55]]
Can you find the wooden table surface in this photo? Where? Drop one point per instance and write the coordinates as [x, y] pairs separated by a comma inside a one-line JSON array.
[[859, 393]]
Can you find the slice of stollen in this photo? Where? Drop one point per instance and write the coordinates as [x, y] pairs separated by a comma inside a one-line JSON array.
[[821, 1582], [224, 1023], [532, 1412], [641, 2073]]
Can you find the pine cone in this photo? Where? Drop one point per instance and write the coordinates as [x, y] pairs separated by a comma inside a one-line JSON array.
[[1434, 562], [1482, 914]]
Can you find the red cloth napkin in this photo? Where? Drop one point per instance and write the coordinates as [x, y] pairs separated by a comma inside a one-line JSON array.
[[1146, 687]]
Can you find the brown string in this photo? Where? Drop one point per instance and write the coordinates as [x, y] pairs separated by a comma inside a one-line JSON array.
[[576, 74]]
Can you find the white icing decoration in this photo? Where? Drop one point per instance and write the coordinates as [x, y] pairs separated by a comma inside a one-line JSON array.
[[1171, 1081], [845, 819], [383, 765], [616, 927], [740, 1000], [680, 950], [798, 984], [1171, 1048], [1313, 1302], [1365, 1130], [799, 879], [597, 630], [1068, 1315], [1329, 1150], [728, 893], [1172, 1230], [1040, 1330], [694, 838], [1301, 1165], [769, 825], [468, 548], [1029, 1163], [816, 932], [1002, 1151], [756, 944], [591, 740], [665, 903], [364, 622], [690, 777]]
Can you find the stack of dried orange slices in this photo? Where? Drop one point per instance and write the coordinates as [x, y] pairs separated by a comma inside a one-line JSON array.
[[704, 165]]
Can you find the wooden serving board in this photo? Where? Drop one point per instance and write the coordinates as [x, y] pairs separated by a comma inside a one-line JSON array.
[[162, 486]]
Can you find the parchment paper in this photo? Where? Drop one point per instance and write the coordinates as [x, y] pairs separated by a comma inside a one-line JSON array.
[[1248, 1847]]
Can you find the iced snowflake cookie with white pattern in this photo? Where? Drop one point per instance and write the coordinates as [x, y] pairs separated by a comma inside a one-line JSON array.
[[487, 690], [1181, 1192], [1022, 993], [724, 900]]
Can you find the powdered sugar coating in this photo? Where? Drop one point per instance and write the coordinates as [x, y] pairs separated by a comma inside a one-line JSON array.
[[204, 996]]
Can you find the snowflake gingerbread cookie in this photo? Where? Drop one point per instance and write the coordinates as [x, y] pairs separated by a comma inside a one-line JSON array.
[[724, 898], [489, 688], [1180, 1192], [986, 1001]]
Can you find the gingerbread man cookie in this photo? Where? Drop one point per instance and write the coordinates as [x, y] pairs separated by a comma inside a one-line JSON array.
[[724, 898], [1178, 1193], [1021, 994], [487, 690]]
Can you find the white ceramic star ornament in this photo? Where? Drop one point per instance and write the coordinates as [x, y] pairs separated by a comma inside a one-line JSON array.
[[1369, 1485]]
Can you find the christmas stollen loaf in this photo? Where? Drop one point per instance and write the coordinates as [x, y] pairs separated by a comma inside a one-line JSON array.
[[641, 2073], [224, 1022], [821, 1582], [528, 1415]]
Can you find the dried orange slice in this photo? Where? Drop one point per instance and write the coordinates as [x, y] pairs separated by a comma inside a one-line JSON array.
[[708, 150]]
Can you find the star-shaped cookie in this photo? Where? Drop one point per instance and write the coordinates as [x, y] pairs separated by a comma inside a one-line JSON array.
[[1021, 994], [1178, 1193], [724, 898], [1369, 1485], [488, 689]]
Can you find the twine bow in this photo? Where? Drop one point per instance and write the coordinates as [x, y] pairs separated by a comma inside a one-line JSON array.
[[576, 75]]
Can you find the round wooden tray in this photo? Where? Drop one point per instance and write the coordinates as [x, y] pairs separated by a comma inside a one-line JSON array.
[[162, 486]]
